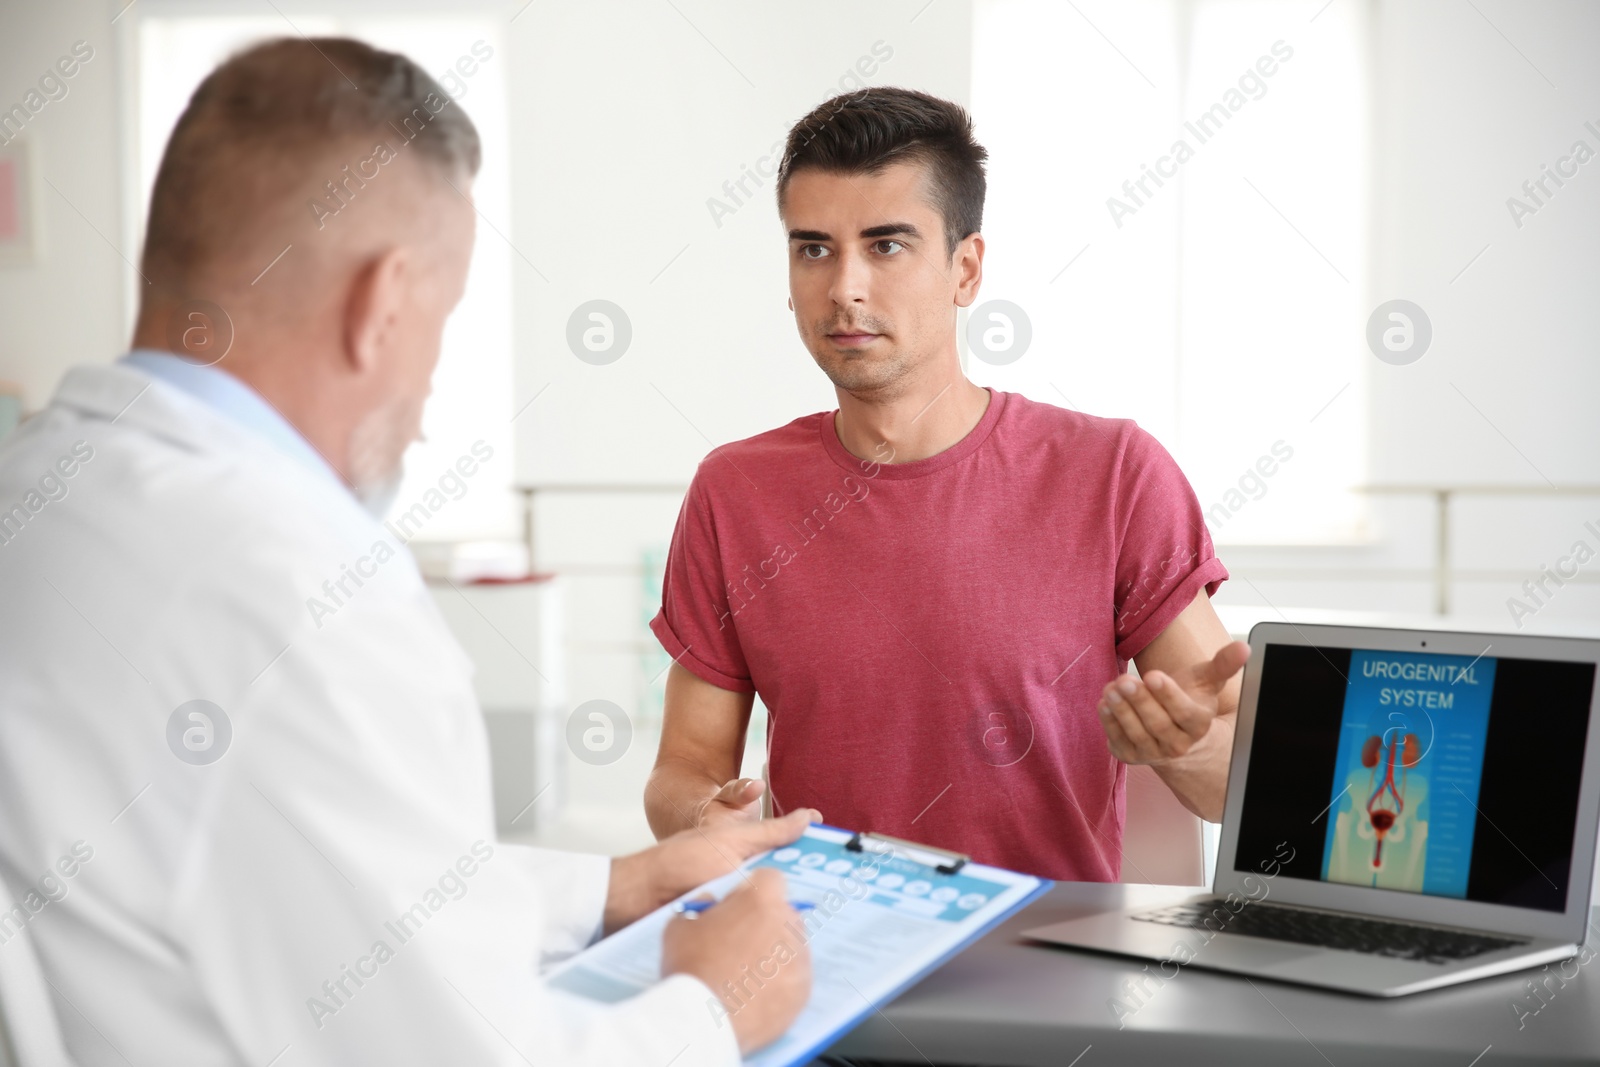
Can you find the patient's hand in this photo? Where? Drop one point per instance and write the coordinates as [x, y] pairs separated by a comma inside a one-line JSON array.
[[738, 801], [1160, 717], [644, 881]]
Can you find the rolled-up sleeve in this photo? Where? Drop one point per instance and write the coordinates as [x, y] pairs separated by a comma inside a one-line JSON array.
[[695, 624], [1164, 551]]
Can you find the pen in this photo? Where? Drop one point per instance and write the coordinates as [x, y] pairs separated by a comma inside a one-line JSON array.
[[695, 907]]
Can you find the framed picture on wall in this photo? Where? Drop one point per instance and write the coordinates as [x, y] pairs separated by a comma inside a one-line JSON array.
[[19, 204]]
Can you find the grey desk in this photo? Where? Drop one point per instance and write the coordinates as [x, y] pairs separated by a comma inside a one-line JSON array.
[[1008, 1002]]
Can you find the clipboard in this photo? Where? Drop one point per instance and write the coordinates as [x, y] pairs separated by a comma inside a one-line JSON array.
[[943, 861], [885, 913]]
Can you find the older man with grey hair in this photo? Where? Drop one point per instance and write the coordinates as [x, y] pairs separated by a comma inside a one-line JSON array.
[[237, 830]]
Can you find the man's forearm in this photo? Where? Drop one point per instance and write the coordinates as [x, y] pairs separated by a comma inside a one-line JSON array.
[[675, 794], [1199, 778]]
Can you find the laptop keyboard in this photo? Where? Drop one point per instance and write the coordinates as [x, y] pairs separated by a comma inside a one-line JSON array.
[[1377, 937]]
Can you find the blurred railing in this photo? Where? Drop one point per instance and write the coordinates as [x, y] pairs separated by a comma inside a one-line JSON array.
[[1444, 572]]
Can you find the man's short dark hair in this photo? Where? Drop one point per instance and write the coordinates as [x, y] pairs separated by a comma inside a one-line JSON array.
[[863, 132], [269, 123]]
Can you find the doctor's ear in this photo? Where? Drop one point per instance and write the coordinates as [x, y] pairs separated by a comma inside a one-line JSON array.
[[373, 309], [791, 303]]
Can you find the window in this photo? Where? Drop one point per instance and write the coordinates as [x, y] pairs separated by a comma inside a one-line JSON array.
[[1178, 205]]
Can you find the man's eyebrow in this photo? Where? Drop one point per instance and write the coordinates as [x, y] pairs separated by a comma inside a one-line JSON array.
[[888, 229], [892, 229]]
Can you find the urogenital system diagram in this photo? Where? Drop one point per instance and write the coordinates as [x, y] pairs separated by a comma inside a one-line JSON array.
[[1388, 799], [1380, 830], [1403, 794]]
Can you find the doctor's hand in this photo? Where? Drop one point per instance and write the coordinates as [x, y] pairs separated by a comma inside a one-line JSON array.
[[644, 881], [1159, 717], [738, 801], [746, 950]]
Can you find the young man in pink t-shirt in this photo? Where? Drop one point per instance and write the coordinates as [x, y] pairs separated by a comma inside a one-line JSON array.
[[936, 588]]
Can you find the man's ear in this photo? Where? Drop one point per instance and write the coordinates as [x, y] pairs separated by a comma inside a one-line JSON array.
[[969, 269], [372, 312]]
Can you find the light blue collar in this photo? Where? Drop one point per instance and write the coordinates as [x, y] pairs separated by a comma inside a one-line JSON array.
[[234, 399]]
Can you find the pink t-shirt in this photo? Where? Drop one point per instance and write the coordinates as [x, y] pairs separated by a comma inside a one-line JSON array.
[[931, 638]]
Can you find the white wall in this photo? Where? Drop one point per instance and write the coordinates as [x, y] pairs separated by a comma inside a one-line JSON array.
[[1464, 119], [1465, 111], [67, 308], [629, 118]]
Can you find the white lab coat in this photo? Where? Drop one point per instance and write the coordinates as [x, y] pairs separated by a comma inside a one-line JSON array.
[[211, 908]]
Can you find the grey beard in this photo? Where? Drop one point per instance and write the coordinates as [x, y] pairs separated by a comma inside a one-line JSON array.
[[379, 497], [377, 447]]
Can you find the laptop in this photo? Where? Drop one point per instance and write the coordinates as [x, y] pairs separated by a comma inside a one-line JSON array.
[[1406, 810]]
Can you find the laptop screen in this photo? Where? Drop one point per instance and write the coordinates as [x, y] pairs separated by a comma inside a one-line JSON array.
[[1446, 775]]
